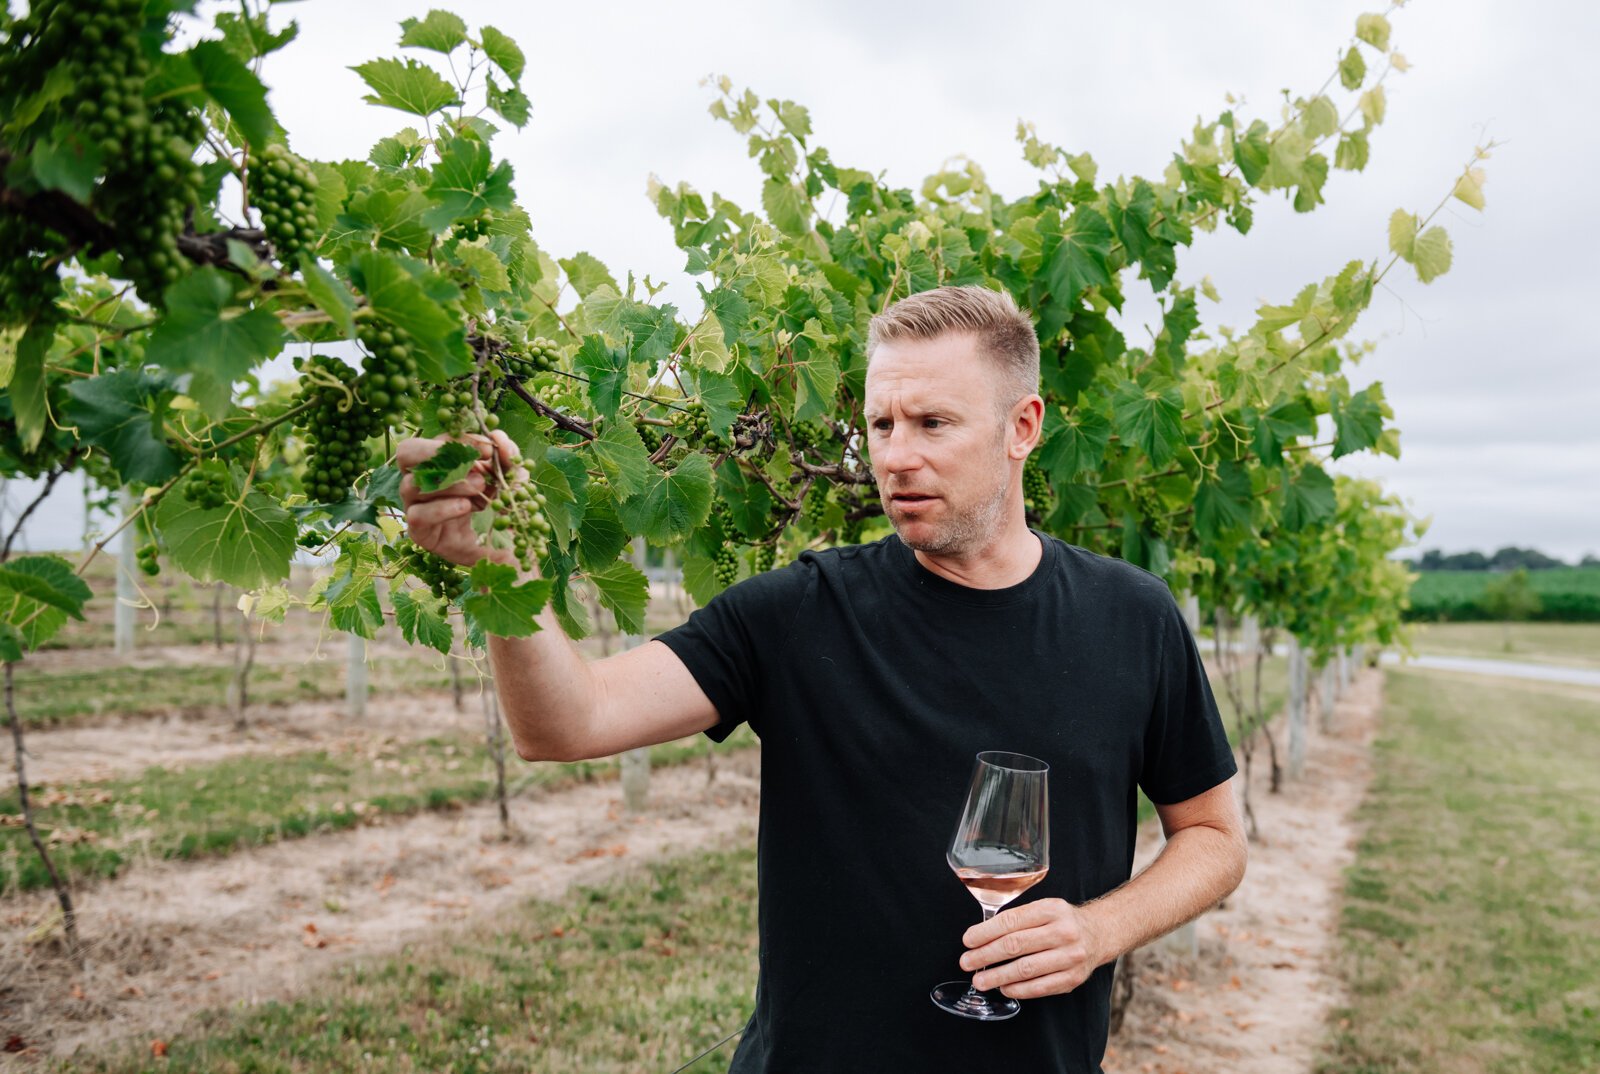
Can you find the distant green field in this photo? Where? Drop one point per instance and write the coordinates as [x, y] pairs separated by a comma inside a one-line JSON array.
[[1568, 594]]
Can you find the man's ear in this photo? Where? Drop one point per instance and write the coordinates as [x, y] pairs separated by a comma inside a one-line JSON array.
[[1024, 427]]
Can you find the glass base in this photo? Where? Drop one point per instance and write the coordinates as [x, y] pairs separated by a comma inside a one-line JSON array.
[[960, 998]]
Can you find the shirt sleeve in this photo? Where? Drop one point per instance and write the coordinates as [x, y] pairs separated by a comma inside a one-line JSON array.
[[1186, 750], [727, 644]]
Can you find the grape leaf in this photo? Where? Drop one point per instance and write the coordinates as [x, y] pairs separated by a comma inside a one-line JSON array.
[[601, 536], [37, 594], [626, 591], [1308, 499], [1431, 254], [509, 102], [207, 333], [1352, 69], [440, 31], [1469, 188], [787, 207], [1149, 420], [1223, 504], [607, 370], [1280, 425], [407, 85], [817, 374], [247, 544], [328, 294], [399, 298], [452, 462], [1374, 30], [45, 580], [1403, 234], [671, 506], [484, 266], [69, 165], [503, 51], [748, 499], [27, 383], [1358, 421], [1078, 261], [499, 604], [622, 455], [352, 594], [585, 272], [420, 616], [236, 88], [1075, 444], [118, 412], [464, 185]]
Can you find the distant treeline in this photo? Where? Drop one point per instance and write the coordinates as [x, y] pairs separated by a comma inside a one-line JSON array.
[[1509, 558], [1562, 594]]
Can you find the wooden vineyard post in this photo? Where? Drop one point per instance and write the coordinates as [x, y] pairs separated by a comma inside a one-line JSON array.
[[1297, 707], [1329, 694], [127, 594], [355, 683], [636, 762]]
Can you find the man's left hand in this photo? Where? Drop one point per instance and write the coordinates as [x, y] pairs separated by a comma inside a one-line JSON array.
[[1048, 947]]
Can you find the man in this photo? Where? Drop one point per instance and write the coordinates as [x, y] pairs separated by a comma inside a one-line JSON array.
[[873, 675]]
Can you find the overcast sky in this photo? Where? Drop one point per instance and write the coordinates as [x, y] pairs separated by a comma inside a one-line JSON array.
[[1491, 369]]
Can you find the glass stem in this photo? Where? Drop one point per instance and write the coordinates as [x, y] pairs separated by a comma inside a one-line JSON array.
[[972, 989]]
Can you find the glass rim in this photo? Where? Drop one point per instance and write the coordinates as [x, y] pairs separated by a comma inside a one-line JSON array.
[[1031, 765]]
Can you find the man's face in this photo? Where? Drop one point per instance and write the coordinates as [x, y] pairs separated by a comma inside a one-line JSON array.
[[938, 443]]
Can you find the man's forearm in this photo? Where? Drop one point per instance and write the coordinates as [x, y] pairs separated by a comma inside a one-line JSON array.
[[547, 691], [1197, 869]]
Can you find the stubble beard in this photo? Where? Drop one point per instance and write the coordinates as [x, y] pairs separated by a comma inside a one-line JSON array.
[[965, 532]]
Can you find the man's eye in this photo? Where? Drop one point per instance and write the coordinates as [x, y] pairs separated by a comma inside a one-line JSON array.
[[932, 423]]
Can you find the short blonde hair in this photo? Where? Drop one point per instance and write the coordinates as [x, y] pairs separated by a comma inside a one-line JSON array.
[[1004, 332]]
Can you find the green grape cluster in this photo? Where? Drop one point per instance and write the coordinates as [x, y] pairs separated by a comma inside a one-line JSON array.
[[476, 228], [149, 561], [459, 414], [443, 578], [84, 61], [1036, 492], [766, 557], [284, 188], [809, 434], [310, 539], [537, 356], [816, 504], [389, 371], [207, 489], [651, 435], [519, 515], [337, 427], [695, 427], [726, 565], [851, 534], [25, 287]]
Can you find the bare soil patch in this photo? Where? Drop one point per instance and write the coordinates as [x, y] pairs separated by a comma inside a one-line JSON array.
[[126, 746], [1256, 998], [169, 940]]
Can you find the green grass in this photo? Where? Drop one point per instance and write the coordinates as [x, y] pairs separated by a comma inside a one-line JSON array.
[[1569, 594], [224, 806], [636, 976], [1469, 931], [1565, 644]]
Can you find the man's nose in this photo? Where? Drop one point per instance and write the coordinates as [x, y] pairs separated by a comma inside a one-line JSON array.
[[899, 451]]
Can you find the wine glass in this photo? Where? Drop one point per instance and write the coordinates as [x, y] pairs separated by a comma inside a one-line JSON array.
[[1000, 849]]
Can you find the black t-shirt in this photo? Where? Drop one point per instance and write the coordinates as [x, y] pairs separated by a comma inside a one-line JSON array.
[[873, 683]]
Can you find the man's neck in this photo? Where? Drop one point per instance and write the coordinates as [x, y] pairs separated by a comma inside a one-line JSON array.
[[1005, 561]]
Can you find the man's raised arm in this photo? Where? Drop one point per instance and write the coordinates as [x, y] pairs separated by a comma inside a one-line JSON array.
[[559, 706]]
